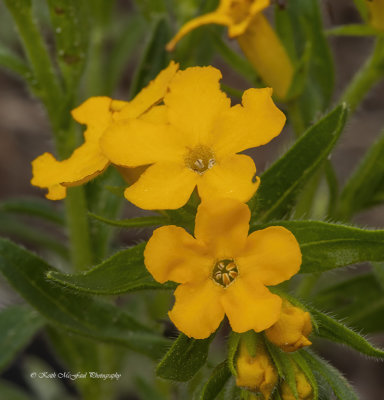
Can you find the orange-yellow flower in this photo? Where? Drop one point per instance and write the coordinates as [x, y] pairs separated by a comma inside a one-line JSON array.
[[88, 161], [222, 270], [196, 144], [256, 373], [376, 11], [256, 38], [292, 329]]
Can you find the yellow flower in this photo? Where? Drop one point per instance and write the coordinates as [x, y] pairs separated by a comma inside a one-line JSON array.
[[376, 9], [196, 144], [256, 38], [222, 270], [290, 332], [88, 161], [256, 373], [304, 389]]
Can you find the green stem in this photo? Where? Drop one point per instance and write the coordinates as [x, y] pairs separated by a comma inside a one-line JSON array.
[[368, 76], [77, 222], [48, 85]]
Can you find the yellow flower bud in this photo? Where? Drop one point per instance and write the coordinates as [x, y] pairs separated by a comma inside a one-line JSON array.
[[304, 389], [376, 9], [291, 330], [256, 373]]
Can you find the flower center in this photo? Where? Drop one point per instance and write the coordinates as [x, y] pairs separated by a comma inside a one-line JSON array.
[[225, 272], [199, 159]]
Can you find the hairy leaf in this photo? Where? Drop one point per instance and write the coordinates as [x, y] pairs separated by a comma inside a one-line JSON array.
[[18, 325], [216, 382], [331, 375], [123, 272], [326, 246], [282, 181], [81, 314], [184, 358]]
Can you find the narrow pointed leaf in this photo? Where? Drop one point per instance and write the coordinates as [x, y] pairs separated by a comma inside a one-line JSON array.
[[359, 301], [139, 222], [233, 344], [335, 331], [80, 314], [123, 272], [282, 181], [184, 358], [33, 207], [353, 30], [364, 182], [216, 382], [18, 325], [342, 389], [326, 246]]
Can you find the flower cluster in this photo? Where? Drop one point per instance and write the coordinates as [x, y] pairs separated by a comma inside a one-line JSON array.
[[183, 132]]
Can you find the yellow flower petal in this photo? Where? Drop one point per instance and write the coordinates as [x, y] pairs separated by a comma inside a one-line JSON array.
[[242, 13], [195, 102], [197, 311], [250, 305], [376, 9], [254, 123], [267, 54], [232, 177], [164, 185], [256, 373], [292, 329], [136, 142], [96, 113], [223, 226], [273, 254], [172, 254], [85, 163], [151, 94], [210, 18]]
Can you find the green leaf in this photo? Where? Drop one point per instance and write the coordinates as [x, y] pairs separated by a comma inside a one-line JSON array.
[[284, 366], [126, 41], [282, 181], [364, 182], [335, 331], [9, 226], [331, 375], [14, 64], [123, 272], [232, 58], [359, 301], [139, 222], [307, 371], [154, 58], [233, 344], [326, 246], [11, 392], [184, 358], [80, 314], [353, 30], [18, 325], [216, 382], [299, 25], [34, 207]]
